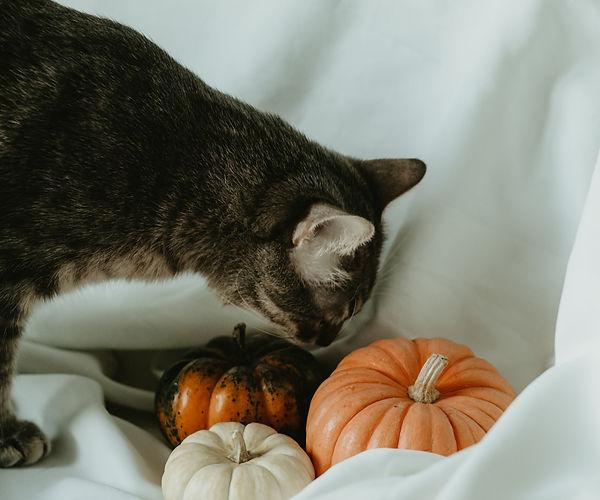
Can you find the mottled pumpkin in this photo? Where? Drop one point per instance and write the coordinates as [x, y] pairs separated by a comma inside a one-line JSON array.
[[426, 394], [238, 378]]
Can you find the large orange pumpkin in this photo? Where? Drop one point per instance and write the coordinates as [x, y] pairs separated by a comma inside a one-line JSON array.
[[425, 394], [261, 379]]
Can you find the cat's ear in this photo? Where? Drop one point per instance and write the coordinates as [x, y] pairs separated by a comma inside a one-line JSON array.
[[389, 178], [327, 229], [321, 237]]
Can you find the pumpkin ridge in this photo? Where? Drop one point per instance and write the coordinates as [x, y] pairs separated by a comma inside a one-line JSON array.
[[461, 392], [454, 431], [359, 431], [469, 417], [475, 377], [403, 413], [348, 371], [322, 416], [209, 448], [361, 387], [278, 463], [183, 384], [270, 474], [400, 420], [458, 415], [379, 346], [394, 350], [380, 418], [274, 389], [241, 377], [228, 481], [329, 387], [444, 402], [195, 452], [191, 483], [395, 381], [475, 371], [358, 413], [411, 430], [439, 444]]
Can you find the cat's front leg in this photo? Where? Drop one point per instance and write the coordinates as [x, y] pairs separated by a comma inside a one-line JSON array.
[[21, 442]]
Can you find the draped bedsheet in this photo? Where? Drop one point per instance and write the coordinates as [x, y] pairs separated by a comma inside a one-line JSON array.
[[497, 248]]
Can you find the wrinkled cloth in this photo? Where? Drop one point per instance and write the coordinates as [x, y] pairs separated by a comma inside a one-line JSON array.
[[495, 249]]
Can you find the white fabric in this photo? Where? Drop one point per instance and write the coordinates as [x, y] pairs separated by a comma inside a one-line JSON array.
[[501, 100]]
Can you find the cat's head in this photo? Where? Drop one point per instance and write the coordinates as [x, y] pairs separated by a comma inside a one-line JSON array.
[[312, 260]]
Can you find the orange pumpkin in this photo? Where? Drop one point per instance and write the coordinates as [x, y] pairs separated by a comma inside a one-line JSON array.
[[261, 379], [425, 394]]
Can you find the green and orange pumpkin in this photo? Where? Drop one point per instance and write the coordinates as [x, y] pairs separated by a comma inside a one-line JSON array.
[[238, 378]]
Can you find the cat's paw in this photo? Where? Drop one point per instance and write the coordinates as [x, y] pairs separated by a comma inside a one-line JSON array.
[[21, 443]]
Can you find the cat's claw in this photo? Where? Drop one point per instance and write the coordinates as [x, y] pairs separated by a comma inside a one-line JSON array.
[[21, 443]]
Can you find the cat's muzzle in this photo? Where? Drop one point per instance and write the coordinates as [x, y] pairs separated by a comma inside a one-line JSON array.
[[322, 335]]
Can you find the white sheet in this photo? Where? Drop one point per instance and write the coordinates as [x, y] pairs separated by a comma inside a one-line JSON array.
[[501, 100]]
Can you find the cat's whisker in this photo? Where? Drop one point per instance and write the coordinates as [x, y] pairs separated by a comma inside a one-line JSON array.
[[387, 272], [387, 285], [381, 294], [253, 312], [382, 278], [254, 327], [385, 280], [354, 311], [237, 289]]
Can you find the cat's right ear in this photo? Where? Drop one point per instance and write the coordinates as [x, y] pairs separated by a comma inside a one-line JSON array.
[[389, 178]]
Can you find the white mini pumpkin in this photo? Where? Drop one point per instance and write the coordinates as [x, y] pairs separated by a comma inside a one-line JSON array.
[[231, 461]]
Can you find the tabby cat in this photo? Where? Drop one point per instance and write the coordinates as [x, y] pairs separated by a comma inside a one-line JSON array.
[[117, 162]]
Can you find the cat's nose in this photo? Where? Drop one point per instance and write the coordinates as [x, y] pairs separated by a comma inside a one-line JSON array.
[[320, 333], [327, 335]]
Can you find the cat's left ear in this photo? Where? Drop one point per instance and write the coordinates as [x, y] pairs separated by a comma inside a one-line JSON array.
[[321, 237], [389, 178], [327, 229]]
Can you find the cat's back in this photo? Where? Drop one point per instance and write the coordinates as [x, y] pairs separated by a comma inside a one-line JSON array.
[[85, 99], [54, 57], [83, 94], [40, 33], [38, 28], [45, 46]]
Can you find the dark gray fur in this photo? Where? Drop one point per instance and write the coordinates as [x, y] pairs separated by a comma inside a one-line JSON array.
[[115, 161]]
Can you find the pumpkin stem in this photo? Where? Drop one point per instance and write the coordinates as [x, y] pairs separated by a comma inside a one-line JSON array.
[[423, 390], [239, 335], [240, 453]]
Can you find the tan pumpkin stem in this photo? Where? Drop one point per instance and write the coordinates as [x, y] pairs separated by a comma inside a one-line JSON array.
[[240, 453], [423, 390]]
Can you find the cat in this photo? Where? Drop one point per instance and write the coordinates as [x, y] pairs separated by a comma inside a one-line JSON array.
[[117, 162]]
